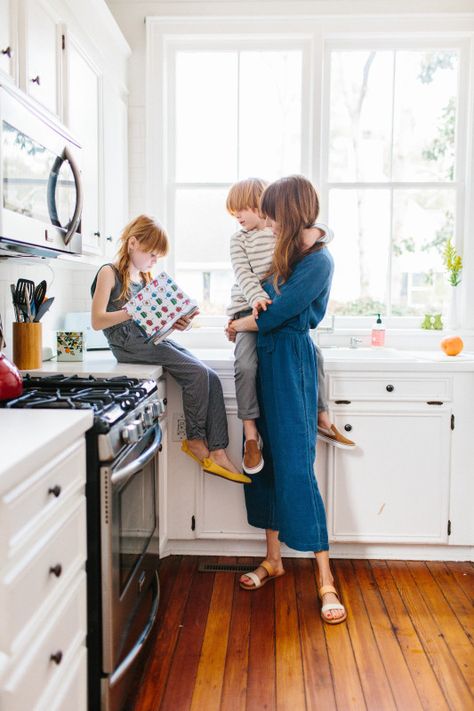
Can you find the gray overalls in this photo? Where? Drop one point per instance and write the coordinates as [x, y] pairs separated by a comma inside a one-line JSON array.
[[203, 401]]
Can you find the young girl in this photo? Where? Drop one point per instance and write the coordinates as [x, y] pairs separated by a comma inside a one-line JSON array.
[[142, 243], [284, 499]]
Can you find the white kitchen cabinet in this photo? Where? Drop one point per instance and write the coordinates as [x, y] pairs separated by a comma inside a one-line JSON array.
[[84, 120], [8, 40], [43, 552], [394, 488], [41, 60], [115, 165]]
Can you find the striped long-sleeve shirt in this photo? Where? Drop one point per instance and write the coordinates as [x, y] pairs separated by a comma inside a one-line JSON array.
[[251, 255]]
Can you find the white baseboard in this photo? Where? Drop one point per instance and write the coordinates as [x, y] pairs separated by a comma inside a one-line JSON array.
[[363, 551]]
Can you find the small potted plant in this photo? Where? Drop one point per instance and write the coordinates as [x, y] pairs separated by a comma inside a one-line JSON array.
[[453, 264]]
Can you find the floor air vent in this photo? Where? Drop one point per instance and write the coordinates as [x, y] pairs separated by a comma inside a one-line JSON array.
[[222, 568]]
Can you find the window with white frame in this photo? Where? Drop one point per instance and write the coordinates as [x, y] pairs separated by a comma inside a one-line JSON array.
[[236, 113], [376, 125], [391, 176]]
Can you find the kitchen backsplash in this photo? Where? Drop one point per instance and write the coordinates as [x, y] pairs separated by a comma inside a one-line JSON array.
[[69, 285]]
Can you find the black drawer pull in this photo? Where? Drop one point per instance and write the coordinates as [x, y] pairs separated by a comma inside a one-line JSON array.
[[342, 402], [390, 388], [56, 570], [54, 490], [434, 402], [348, 428], [56, 657]]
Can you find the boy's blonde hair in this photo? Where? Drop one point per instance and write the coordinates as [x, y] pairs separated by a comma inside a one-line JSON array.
[[151, 237], [245, 195]]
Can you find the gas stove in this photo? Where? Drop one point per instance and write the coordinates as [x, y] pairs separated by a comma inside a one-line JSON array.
[[123, 407]]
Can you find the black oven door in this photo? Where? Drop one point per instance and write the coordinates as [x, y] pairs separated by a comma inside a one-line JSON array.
[[129, 559]]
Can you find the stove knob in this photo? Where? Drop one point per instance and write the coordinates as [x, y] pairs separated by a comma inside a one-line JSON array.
[[148, 415], [138, 424], [162, 406], [156, 409], [130, 434]]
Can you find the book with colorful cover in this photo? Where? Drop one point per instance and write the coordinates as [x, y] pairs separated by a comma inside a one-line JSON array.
[[158, 306]]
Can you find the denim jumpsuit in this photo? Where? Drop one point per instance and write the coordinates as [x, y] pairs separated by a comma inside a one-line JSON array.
[[284, 496]]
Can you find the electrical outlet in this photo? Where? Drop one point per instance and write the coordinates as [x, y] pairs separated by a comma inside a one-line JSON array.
[[179, 427]]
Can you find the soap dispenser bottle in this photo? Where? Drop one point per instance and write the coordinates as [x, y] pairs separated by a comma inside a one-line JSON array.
[[378, 333]]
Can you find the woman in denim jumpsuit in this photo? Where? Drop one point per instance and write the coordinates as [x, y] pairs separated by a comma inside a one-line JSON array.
[[284, 498]]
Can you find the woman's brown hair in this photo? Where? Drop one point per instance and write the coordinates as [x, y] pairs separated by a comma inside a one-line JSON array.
[[293, 203], [151, 237]]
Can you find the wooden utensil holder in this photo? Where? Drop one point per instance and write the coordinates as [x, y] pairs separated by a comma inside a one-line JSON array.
[[27, 345]]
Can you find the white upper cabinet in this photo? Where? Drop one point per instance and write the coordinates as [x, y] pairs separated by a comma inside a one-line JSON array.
[[8, 52], [42, 42], [83, 110]]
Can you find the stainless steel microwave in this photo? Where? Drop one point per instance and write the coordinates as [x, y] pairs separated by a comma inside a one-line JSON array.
[[40, 181]]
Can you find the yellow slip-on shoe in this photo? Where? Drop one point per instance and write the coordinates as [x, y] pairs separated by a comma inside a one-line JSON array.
[[186, 450], [212, 468]]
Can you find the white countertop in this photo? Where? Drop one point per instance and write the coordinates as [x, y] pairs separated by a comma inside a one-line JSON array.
[[362, 359], [101, 364], [29, 439]]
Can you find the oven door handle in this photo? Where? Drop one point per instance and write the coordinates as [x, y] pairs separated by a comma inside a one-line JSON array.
[[119, 476], [140, 643]]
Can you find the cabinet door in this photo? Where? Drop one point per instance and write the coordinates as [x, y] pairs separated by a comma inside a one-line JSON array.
[[115, 166], [7, 38], [42, 42], [394, 488], [83, 117]]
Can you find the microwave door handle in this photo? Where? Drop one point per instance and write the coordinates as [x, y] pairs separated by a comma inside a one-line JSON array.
[[121, 475], [76, 218], [132, 655]]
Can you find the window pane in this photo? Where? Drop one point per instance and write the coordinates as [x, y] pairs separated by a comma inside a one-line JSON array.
[[361, 222], [422, 221], [425, 115], [202, 237], [270, 113], [360, 115], [206, 116]]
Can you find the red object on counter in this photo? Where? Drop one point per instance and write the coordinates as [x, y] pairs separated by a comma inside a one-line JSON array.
[[11, 383]]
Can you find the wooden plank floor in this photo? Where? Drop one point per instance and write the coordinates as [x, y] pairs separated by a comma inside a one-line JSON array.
[[407, 643]]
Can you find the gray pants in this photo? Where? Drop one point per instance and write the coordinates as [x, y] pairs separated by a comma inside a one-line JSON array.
[[245, 371], [203, 400]]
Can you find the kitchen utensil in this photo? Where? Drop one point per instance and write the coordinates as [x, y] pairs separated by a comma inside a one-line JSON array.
[[43, 308], [39, 294], [16, 308], [24, 295], [27, 346]]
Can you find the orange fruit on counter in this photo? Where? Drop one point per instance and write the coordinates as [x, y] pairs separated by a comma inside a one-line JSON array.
[[452, 345]]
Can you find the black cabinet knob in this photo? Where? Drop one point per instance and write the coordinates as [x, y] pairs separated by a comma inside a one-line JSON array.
[[56, 570], [36, 80], [390, 388], [8, 52], [160, 448], [56, 657], [54, 490], [109, 238], [348, 428], [165, 401]]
